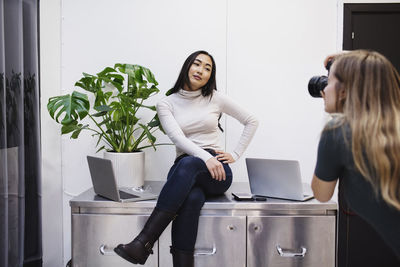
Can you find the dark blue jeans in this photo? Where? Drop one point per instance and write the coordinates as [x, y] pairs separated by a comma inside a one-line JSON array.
[[188, 184]]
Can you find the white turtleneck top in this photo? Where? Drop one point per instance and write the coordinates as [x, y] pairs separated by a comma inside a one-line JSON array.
[[191, 122]]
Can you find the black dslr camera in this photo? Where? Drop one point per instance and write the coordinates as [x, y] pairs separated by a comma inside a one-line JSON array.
[[318, 83]]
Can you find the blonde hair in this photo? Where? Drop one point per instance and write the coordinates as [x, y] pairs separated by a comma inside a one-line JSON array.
[[372, 109]]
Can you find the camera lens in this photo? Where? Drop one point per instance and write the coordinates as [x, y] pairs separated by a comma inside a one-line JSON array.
[[316, 85]]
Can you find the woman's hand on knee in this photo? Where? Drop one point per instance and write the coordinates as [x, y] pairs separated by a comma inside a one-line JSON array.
[[225, 157], [216, 169]]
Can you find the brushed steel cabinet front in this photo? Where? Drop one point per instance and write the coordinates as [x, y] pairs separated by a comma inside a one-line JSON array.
[[95, 236], [289, 241], [221, 241]]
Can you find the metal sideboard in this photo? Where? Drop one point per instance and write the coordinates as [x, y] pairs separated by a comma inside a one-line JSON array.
[[231, 233]]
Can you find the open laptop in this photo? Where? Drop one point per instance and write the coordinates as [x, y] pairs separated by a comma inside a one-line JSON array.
[[105, 185], [276, 179]]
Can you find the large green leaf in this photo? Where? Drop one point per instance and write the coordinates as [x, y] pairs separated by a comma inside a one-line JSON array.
[[117, 84], [115, 79], [120, 67], [132, 84], [150, 76], [75, 128], [146, 92], [138, 74], [74, 106], [69, 127], [105, 71], [76, 133], [88, 83], [100, 98]]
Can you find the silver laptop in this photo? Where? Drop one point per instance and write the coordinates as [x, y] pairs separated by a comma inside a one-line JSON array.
[[276, 179], [105, 185]]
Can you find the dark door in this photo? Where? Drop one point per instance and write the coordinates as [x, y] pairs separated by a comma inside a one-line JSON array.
[[373, 26]]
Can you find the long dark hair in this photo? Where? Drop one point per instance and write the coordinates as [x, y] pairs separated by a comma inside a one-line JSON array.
[[183, 77]]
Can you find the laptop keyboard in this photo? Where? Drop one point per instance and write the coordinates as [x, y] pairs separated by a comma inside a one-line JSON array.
[[124, 195]]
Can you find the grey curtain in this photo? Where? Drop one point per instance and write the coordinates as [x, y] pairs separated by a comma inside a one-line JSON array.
[[20, 197]]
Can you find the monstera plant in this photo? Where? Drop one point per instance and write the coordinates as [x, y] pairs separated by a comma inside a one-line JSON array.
[[119, 93]]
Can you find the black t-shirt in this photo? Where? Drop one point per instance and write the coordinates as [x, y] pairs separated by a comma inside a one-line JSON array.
[[335, 161]]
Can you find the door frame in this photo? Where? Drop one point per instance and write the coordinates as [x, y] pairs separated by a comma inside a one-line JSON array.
[[350, 8]]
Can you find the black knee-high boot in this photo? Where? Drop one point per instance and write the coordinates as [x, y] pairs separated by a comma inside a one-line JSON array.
[[140, 248], [182, 258]]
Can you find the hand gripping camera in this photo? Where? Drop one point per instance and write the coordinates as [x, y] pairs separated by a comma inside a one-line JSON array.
[[318, 83]]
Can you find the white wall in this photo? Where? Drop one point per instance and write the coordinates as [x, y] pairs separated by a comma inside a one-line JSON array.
[[52, 176], [273, 51], [265, 51]]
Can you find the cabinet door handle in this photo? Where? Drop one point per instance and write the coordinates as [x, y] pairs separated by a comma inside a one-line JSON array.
[[104, 250], [287, 253], [211, 252]]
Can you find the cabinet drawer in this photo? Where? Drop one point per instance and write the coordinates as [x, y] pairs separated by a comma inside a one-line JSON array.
[[95, 236], [220, 242], [291, 241]]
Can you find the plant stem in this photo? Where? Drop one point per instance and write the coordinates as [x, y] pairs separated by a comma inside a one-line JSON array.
[[139, 139], [113, 145], [97, 132]]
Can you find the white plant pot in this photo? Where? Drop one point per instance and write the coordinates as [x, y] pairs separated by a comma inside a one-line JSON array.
[[128, 168]]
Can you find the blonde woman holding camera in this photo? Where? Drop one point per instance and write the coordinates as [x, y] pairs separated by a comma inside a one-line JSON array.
[[360, 147]]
